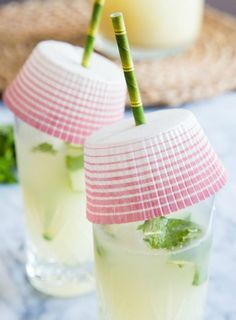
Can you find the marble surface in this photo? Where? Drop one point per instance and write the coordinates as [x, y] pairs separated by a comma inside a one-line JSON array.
[[18, 301]]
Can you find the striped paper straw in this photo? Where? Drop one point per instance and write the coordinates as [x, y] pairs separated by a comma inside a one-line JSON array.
[[128, 67], [92, 31]]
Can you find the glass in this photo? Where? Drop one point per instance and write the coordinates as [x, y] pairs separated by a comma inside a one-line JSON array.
[[155, 28], [59, 238], [137, 281]]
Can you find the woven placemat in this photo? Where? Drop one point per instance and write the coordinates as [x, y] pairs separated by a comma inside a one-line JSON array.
[[24, 24], [203, 71]]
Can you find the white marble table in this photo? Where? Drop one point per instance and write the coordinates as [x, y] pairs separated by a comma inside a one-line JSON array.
[[18, 301]]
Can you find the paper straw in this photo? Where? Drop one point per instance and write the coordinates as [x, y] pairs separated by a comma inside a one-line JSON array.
[[92, 31], [128, 67]]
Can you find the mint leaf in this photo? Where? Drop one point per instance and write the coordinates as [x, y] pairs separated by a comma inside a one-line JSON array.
[[201, 272], [74, 158], [44, 147], [74, 163], [47, 237], [164, 233], [197, 279], [7, 155], [154, 232], [101, 252]]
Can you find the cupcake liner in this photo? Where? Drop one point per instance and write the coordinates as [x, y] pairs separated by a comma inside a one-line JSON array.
[[138, 173], [56, 95]]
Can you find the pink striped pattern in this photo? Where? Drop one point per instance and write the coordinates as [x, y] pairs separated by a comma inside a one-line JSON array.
[[152, 175], [66, 104]]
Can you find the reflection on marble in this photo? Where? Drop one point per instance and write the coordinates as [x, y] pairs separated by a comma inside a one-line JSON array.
[[18, 301]]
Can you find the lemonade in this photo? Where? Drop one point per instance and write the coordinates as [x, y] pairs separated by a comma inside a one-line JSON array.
[[58, 103], [59, 237], [138, 281], [156, 24]]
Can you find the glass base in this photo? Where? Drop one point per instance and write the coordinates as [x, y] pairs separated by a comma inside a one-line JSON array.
[[60, 280], [109, 48]]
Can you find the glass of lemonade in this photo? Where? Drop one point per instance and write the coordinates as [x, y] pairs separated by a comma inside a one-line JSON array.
[[59, 246], [155, 269], [156, 28], [58, 104]]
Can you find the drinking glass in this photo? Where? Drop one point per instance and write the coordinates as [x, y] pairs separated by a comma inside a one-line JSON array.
[[156, 269], [156, 28], [59, 238]]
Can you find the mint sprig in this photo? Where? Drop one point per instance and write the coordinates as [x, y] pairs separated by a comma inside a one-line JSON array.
[[168, 233], [45, 147], [7, 155]]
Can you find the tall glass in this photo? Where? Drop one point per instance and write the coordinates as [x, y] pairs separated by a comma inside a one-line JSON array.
[[59, 238], [155, 270], [156, 28]]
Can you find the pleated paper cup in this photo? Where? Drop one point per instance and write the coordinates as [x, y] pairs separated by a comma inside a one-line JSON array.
[[138, 173], [55, 94]]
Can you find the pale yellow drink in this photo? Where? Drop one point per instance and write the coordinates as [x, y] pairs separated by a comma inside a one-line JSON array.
[[137, 282], [156, 24], [60, 250]]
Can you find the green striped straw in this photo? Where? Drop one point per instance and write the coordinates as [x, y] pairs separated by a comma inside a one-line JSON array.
[[92, 31], [128, 67]]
